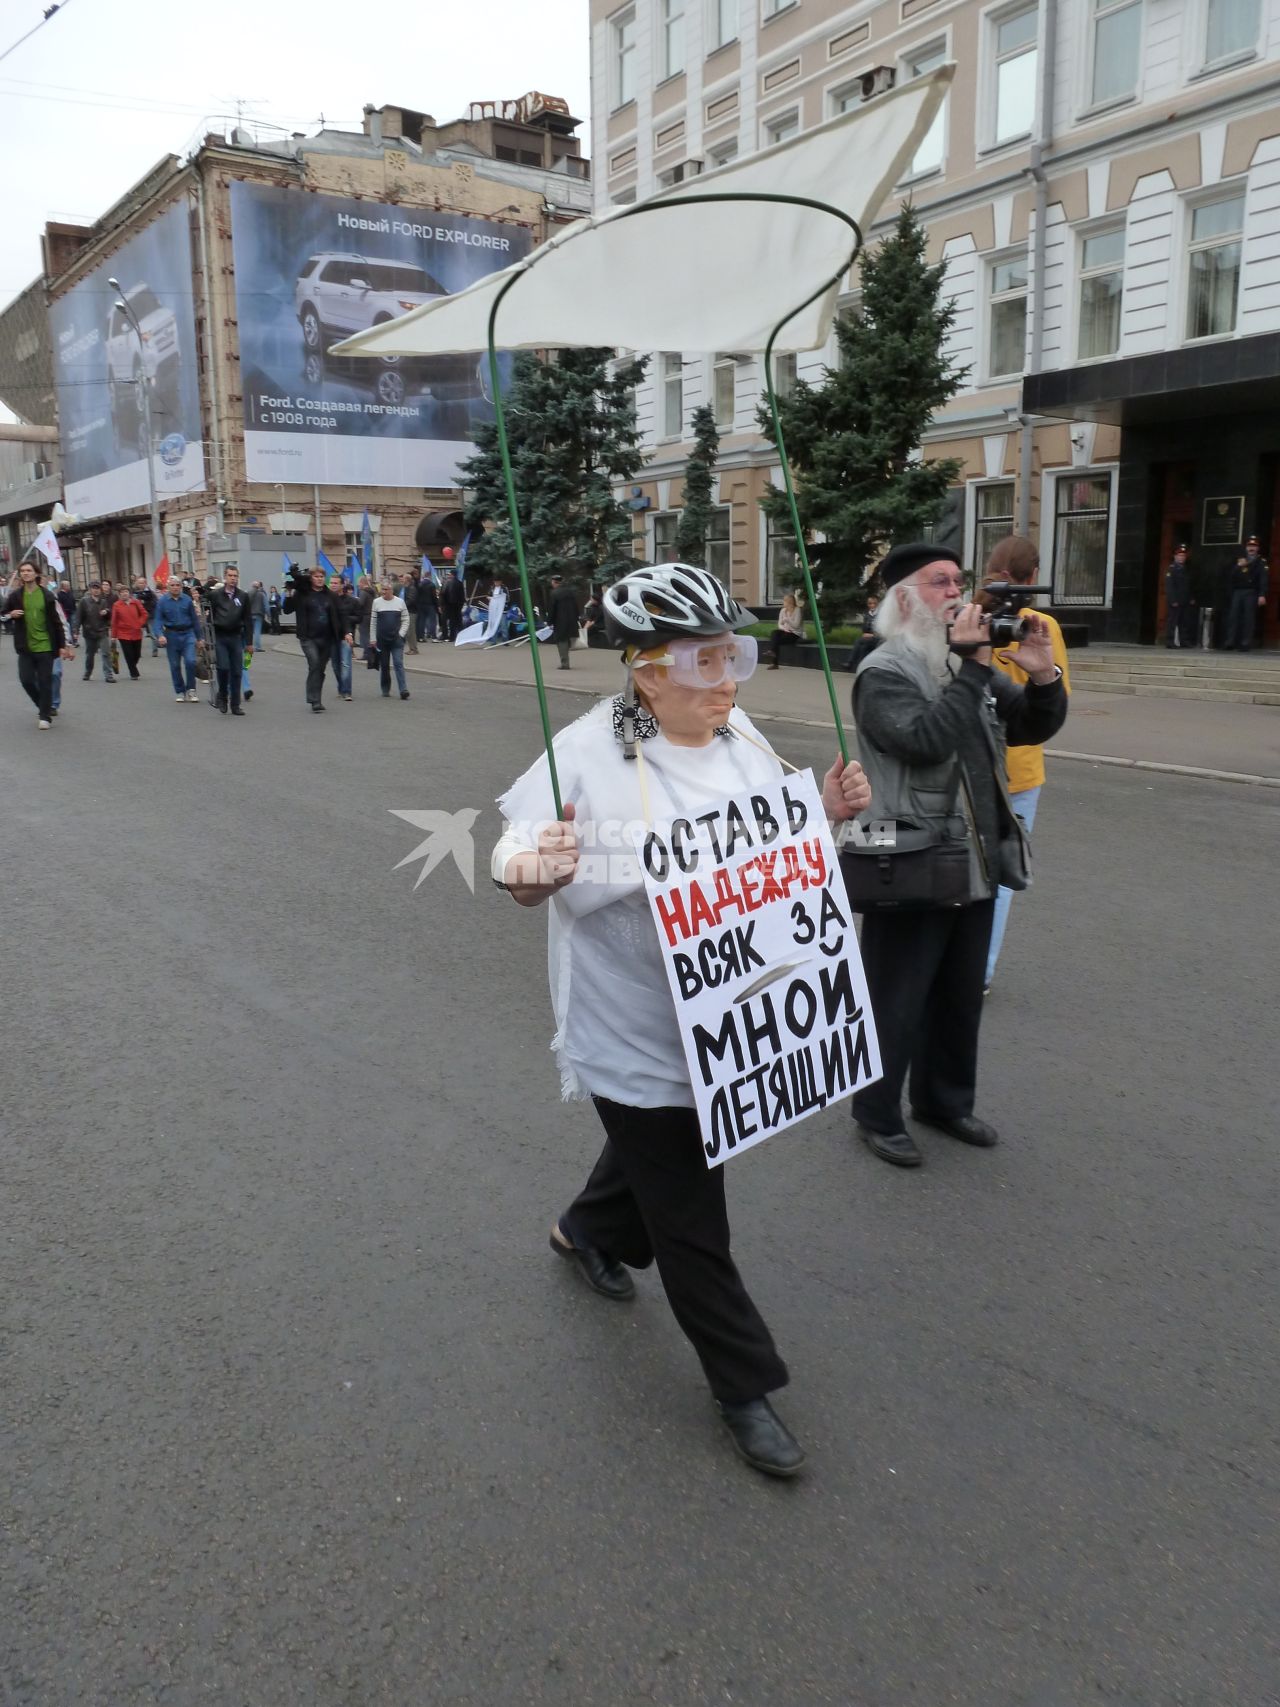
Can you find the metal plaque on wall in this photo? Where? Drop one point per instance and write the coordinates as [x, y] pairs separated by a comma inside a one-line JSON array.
[[1223, 521]]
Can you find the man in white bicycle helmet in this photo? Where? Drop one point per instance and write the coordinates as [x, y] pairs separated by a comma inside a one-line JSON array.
[[672, 740]]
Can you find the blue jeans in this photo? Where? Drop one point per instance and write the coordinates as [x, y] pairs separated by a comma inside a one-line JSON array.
[[57, 683], [426, 622], [388, 656], [229, 653], [1024, 805], [257, 633], [181, 649], [153, 628], [340, 660]]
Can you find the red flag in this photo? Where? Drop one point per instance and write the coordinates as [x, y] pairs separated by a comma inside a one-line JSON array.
[[162, 571]]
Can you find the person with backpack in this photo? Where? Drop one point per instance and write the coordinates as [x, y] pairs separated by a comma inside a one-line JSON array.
[[40, 636]]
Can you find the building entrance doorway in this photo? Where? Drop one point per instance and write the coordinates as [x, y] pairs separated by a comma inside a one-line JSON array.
[[1177, 527]]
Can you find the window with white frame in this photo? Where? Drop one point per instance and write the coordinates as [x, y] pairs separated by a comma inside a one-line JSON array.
[[1213, 290], [846, 97], [672, 380], [1101, 289], [920, 61], [1117, 47], [678, 174], [1015, 57], [722, 24], [992, 519], [723, 386], [773, 7], [784, 374], [622, 36], [782, 572], [850, 310], [1007, 317], [672, 37], [719, 549], [780, 128], [1081, 538], [354, 546], [722, 153], [665, 524], [1231, 29]]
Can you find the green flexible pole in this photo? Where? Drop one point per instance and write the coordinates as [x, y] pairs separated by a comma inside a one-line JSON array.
[[802, 549], [513, 511]]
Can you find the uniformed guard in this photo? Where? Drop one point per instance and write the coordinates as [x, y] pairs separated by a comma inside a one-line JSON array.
[[1249, 581]]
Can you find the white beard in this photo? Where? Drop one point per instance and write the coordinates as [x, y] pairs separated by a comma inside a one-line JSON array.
[[926, 635]]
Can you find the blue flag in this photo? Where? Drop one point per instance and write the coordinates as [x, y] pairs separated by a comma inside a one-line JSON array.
[[286, 566], [324, 563], [366, 542]]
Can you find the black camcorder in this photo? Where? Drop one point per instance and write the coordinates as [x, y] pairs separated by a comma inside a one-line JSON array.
[[1001, 602]]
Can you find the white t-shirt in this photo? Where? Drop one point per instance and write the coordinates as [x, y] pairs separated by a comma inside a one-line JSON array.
[[616, 1030]]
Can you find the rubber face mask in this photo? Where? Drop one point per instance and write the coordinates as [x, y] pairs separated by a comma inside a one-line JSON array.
[[703, 664]]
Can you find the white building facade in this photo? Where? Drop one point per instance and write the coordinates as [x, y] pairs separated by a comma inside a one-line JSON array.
[[1124, 370]]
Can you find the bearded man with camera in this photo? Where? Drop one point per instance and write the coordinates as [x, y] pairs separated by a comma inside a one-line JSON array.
[[933, 720]]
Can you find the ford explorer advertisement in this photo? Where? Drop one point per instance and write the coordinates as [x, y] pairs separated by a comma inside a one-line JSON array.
[[310, 271], [115, 349]]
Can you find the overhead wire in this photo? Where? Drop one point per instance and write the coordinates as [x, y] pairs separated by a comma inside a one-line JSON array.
[[57, 6]]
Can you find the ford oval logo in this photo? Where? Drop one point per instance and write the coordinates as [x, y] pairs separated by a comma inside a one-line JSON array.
[[171, 450]]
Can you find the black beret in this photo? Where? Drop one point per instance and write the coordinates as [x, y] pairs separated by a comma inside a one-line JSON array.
[[904, 560]]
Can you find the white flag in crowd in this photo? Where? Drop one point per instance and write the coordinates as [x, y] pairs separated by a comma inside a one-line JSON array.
[[44, 541]]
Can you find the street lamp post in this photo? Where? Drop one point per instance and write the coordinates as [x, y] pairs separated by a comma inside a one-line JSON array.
[[126, 308]]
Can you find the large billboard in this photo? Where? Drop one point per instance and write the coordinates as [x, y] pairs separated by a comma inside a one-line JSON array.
[[100, 366], [313, 269]]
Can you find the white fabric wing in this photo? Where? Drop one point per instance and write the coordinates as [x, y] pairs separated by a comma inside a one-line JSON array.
[[597, 283]]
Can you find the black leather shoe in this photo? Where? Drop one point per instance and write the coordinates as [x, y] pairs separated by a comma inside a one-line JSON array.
[[966, 1127], [236, 711], [600, 1272], [761, 1437], [896, 1147], [222, 706]]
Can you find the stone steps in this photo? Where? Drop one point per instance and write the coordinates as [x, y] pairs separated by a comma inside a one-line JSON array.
[[1212, 688]]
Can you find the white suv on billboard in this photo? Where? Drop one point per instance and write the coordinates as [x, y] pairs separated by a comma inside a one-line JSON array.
[[157, 360], [339, 294]]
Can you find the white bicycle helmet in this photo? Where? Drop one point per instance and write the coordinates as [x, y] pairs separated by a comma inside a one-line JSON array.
[[669, 600]]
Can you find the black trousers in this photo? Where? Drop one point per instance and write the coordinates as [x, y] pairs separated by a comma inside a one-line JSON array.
[[318, 653], [925, 971], [1241, 615], [131, 651], [35, 672], [652, 1198], [229, 656]]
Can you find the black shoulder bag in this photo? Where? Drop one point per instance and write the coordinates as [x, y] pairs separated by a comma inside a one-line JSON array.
[[926, 865]]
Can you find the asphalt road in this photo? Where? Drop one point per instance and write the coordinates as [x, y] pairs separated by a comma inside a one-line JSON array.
[[297, 1407]]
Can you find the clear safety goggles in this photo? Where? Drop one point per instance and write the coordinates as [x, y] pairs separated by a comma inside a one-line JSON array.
[[699, 664]]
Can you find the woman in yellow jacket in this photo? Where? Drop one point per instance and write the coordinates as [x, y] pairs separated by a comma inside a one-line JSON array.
[[1017, 560]]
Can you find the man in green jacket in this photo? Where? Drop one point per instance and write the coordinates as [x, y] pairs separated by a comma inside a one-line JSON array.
[[39, 636]]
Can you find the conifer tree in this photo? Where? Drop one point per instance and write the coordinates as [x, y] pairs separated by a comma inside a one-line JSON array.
[[854, 439], [695, 517], [571, 430]]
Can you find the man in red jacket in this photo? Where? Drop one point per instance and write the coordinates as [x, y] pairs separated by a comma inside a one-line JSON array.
[[128, 625]]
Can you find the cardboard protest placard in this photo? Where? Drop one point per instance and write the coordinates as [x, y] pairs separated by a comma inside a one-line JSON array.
[[758, 942]]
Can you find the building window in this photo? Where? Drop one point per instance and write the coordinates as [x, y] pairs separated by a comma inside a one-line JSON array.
[[1007, 341], [719, 551], [784, 375], [782, 570], [724, 378], [1015, 74], [622, 30], [1231, 29], [664, 536], [846, 97], [1117, 43], [1214, 291], [672, 37], [1081, 527], [678, 174], [672, 395], [992, 519], [928, 157], [782, 127], [355, 564], [723, 24], [723, 152], [773, 7], [1101, 287]]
